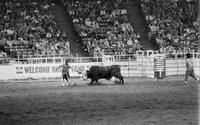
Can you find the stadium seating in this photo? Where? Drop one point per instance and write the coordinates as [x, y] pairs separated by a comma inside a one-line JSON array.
[[28, 28], [173, 23], [103, 26]]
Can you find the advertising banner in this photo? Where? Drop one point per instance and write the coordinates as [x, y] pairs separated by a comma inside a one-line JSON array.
[[24, 71]]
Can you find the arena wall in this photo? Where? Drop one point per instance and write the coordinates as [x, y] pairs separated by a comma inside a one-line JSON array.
[[141, 67]]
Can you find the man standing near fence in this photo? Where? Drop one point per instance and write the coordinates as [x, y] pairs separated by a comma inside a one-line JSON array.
[[65, 73], [189, 68]]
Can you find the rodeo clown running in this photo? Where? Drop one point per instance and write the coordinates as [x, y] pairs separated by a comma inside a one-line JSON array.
[[65, 73], [189, 68]]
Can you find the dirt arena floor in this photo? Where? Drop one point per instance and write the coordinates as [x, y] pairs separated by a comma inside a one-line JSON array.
[[138, 102]]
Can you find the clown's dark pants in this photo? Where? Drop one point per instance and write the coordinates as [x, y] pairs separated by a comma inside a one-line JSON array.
[[190, 72]]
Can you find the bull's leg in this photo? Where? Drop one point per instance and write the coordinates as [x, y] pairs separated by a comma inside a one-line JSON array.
[[97, 81], [120, 77], [91, 82]]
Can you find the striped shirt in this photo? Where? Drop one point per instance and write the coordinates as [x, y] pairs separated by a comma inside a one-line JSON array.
[[65, 68]]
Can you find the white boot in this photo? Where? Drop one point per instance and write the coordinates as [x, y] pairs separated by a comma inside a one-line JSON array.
[[70, 83], [62, 84], [185, 82]]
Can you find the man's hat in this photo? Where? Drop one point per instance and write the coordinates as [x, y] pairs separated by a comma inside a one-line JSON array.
[[188, 55]]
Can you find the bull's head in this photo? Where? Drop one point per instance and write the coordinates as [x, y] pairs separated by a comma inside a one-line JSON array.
[[84, 75]]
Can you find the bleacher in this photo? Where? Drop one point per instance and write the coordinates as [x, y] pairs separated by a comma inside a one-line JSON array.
[[29, 28], [173, 23], [102, 21]]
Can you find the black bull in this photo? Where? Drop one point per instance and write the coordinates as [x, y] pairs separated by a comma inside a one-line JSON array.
[[106, 72]]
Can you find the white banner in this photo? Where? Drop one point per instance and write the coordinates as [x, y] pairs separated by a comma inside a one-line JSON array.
[[24, 71]]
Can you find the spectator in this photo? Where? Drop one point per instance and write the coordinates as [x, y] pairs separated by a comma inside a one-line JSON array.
[[3, 57]]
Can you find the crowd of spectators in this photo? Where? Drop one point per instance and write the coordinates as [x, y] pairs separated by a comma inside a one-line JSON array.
[[173, 23], [29, 27], [103, 26]]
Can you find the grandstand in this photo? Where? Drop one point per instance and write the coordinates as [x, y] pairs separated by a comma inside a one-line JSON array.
[[29, 29], [174, 24], [94, 28]]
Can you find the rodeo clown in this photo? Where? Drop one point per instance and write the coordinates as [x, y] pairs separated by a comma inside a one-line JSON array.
[[65, 73], [189, 68]]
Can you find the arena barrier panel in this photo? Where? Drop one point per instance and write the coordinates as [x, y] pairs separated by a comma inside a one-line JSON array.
[[130, 67], [36, 71], [7, 72]]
